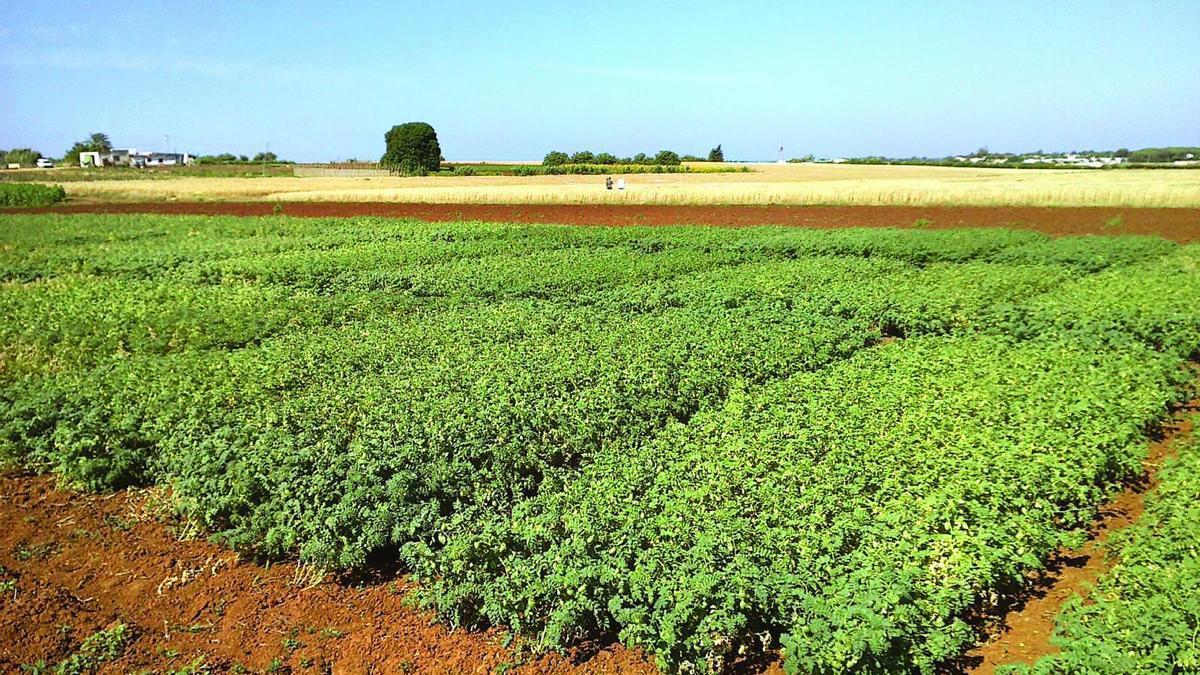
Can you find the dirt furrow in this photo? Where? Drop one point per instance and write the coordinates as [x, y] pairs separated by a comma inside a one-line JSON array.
[[1182, 225]]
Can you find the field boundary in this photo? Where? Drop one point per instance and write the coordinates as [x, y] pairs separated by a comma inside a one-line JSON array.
[[1178, 224]]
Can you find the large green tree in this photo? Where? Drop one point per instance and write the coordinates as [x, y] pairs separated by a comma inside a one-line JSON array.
[[412, 148], [716, 154]]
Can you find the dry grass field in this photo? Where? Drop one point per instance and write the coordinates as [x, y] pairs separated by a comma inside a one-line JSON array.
[[789, 184]]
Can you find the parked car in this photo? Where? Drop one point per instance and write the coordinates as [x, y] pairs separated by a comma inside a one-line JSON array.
[[45, 163]]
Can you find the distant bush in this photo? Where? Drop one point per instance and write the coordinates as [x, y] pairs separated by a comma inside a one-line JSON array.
[[22, 156], [555, 158], [30, 194], [464, 171], [667, 158]]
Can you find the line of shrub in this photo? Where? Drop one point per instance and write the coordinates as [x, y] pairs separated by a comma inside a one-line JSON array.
[[598, 169]]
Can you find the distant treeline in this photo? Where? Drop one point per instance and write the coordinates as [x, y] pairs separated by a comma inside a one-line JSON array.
[[1119, 158], [594, 169], [228, 158], [586, 157], [660, 158], [1171, 154]]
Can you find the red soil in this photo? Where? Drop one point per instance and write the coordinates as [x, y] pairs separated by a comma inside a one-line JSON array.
[[83, 562], [1181, 225]]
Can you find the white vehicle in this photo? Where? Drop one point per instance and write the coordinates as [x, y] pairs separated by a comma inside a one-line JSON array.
[[45, 163]]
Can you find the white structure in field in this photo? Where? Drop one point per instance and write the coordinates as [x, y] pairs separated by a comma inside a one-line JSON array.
[[131, 157]]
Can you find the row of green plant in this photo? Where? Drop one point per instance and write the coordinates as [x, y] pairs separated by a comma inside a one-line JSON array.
[[854, 513], [698, 439], [30, 194], [1143, 615]]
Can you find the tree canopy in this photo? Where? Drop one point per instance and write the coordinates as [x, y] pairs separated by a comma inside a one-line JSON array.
[[412, 148]]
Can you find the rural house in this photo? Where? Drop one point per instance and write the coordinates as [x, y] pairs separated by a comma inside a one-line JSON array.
[[132, 157]]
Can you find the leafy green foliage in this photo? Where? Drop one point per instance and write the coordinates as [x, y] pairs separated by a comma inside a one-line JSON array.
[[411, 148], [30, 194], [1143, 615], [860, 508], [664, 158], [26, 157], [556, 157], [698, 439], [96, 650]]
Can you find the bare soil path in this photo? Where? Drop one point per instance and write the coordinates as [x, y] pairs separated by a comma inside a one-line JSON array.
[[1181, 225], [84, 562]]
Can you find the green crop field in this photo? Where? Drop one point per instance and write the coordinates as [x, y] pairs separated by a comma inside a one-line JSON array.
[[704, 442]]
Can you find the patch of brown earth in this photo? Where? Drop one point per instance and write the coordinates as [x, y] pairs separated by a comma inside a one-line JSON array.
[[1023, 634], [83, 562], [1182, 225]]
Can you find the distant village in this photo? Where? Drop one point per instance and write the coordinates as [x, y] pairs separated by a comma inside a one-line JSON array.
[[1175, 156]]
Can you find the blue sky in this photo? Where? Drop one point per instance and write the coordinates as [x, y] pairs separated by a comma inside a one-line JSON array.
[[512, 80]]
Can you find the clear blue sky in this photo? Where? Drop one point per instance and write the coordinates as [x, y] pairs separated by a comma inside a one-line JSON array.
[[512, 80]]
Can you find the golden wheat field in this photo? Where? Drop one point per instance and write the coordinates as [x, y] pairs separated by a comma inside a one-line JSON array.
[[791, 184]]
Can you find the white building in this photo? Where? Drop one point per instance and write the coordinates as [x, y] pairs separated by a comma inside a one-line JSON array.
[[132, 157]]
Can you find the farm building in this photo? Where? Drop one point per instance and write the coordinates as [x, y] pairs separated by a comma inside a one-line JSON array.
[[132, 157]]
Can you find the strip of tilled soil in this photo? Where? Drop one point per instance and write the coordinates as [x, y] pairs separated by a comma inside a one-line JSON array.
[[84, 562], [1023, 635], [1181, 225]]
